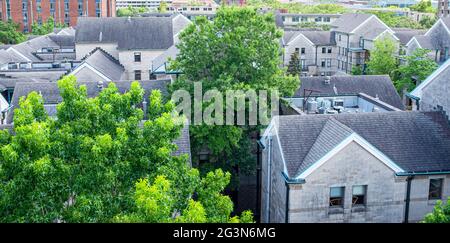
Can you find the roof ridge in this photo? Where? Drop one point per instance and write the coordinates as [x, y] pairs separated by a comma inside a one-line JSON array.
[[316, 145], [109, 56]]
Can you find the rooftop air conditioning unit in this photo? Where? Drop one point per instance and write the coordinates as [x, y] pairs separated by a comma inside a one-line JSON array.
[[331, 112]]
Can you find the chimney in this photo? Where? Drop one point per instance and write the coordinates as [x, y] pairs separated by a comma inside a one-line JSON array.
[[327, 79], [100, 86]]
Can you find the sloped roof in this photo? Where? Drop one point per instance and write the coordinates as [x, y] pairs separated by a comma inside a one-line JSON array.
[[405, 35], [50, 91], [425, 42], [104, 63], [373, 85], [129, 33], [349, 21], [415, 141], [162, 59], [319, 38]]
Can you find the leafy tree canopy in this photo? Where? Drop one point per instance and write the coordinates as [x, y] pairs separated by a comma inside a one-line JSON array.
[[417, 67], [382, 57], [10, 33], [100, 162], [238, 50], [423, 6], [130, 11], [440, 214]]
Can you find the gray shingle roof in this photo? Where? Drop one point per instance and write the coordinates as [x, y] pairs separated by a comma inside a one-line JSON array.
[[373, 85], [446, 21], [184, 143], [104, 63], [405, 35], [425, 42], [50, 91], [415, 141], [319, 38], [349, 21], [9, 79], [129, 33]]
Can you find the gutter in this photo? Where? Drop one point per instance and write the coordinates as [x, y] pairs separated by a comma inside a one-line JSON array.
[[422, 173], [288, 182], [408, 198]]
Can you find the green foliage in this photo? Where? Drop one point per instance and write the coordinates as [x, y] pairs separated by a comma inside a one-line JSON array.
[[238, 50], [382, 58], [424, 6], [294, 65], [323, 8], [155, 202], [357, 70], [417, 68], [130, 11], [440, 214], [44, 28], [162, 7], [427, 22], [82, 166], [393, 20], [10, 34]]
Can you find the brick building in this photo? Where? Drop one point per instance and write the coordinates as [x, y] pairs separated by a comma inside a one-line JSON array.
[[25, 12]]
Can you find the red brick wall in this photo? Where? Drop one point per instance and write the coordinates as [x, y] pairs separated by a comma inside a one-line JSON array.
[[108, 9]]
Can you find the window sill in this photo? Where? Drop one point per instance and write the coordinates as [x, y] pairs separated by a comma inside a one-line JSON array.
[[357, 209], [336, 210]]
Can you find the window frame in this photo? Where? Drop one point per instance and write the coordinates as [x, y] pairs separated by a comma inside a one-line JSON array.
[[137, 54], [136, 74], [440, 188], [342, 198], [364, 204]]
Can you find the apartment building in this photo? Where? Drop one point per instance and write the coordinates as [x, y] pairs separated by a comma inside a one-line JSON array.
[[443, 10], [293, 19], [316, 51], [26, 12], [134, 42]]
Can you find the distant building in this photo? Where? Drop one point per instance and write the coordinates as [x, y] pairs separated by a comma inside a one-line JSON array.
[[134, 41], [436, 40], [25, 12], [443, 10]]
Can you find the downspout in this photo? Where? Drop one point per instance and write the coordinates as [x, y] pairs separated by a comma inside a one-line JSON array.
[[269, 185], [286, 217], [408, 197]]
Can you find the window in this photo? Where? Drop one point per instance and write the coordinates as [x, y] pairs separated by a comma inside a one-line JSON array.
[[304, 19], [137, 57], [337, 196], [329, 49], [435, 191], [339, 64], [295, 19], [137, 74], [323, 61], [340, 37], [303, 50], [318, 19], [324, 50], [359, 195], [328, 62]]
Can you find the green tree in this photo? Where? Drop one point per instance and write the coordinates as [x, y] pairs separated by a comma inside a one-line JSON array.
[[423, 6], [393, 20], [162, 7], [10, 34], [417, 67], [294, 65], [426, 22], [44, 28], [238, 50], [130, 11], [82, 166], [382, 57], [440, 214], [357, 70]]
